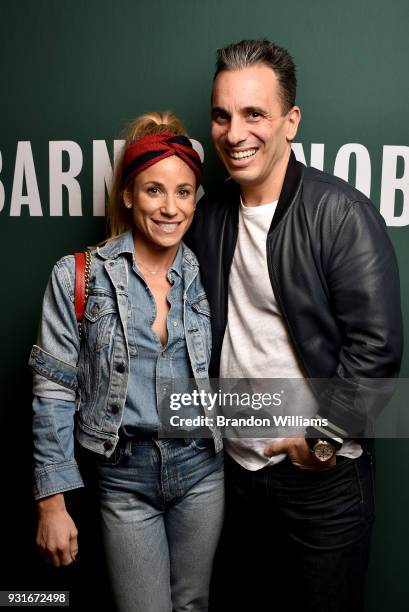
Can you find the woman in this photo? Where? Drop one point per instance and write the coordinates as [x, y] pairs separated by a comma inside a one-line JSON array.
[[146, 328]]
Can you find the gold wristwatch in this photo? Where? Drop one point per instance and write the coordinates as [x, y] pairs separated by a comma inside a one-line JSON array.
[[323, 450]]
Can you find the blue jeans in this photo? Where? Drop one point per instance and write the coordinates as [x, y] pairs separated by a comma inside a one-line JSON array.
[[295, 540], [162, 507]]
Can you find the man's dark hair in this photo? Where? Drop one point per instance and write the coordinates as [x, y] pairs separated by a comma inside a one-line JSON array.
[[249, 52]]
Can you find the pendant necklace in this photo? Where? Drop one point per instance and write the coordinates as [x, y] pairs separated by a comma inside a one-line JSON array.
[[153, 272]]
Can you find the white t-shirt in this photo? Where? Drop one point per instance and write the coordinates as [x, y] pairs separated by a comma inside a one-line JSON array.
[[256, 344]]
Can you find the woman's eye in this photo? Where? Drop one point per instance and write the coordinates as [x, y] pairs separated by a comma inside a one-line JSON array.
[[185, 193], [255, 115], [153, 190]]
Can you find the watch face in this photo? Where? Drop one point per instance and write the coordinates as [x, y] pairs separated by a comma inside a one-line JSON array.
[[323, 450]]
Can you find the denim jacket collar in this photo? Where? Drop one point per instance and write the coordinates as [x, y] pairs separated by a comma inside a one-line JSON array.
[[125, 244]]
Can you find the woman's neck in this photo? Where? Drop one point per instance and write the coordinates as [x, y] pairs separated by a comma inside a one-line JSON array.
[[154, 256]]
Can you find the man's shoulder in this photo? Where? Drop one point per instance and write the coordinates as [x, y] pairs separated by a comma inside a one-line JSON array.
[[318, 184], [328, 199]]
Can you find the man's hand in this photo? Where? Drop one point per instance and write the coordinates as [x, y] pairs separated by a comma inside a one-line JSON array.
[[299, 454], [56, 533]]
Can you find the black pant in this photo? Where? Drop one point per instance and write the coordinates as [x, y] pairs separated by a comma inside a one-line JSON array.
[[294, 539]]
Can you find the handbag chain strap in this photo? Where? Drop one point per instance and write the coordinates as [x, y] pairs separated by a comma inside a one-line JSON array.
[[83, 262]]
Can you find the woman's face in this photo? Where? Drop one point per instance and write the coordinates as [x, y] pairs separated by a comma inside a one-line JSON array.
[[163, 201]]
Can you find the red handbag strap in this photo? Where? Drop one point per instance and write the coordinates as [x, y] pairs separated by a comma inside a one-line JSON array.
[[82, 272], [79, 296]]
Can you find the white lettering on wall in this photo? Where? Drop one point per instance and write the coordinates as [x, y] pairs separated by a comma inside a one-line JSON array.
[[200, 151], [363, 166], [68, 155], [391, 183], [316, 157], [24, 171], [60, 178], [102, 173], [198, 148]]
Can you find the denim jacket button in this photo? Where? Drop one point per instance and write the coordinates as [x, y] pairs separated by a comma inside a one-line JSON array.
[[108, 445], [115, 408], [120, 368]]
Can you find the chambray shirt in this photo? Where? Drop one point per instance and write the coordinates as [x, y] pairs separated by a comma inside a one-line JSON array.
[[154, 368]]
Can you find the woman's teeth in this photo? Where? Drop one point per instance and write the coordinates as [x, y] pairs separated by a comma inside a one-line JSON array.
[[168, 227]]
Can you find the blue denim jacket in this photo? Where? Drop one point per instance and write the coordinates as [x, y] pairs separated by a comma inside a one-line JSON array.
[[83, 385]]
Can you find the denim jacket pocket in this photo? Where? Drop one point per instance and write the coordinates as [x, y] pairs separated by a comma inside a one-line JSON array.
[[101, 320], [200, 305], [199, 331]]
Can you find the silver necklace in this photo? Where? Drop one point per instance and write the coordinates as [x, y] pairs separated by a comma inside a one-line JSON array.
[[153, 272]]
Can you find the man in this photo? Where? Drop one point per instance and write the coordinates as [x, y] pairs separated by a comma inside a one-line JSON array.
[[303, 284]]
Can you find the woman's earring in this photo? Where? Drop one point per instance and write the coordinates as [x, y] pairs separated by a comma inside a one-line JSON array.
[[128, 204]]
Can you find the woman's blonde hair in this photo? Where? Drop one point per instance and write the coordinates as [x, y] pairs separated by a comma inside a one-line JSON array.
[[119, 218]]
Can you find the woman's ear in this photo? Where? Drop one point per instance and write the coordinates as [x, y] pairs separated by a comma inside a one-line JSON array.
[[127, 198]]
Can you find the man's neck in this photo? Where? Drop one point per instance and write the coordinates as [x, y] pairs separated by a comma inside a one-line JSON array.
[[270, 189]]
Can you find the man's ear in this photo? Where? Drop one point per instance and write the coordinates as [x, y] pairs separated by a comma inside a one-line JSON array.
[[293, 120]]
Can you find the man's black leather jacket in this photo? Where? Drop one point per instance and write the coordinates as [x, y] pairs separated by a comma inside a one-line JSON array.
[[335, 278]]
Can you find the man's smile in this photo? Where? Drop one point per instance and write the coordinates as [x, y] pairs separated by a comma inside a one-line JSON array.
[[241, 154]]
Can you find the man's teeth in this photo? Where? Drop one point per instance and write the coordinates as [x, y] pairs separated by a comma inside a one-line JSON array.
[[242, 154], [168, 227]]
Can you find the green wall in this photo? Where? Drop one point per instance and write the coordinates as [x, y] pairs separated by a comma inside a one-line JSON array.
[[77, 71]]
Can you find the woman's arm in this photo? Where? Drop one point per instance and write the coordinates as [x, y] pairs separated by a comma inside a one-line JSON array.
[[54, 362]]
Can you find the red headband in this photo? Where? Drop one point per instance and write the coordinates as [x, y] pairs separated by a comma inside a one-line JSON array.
[[152, 148]]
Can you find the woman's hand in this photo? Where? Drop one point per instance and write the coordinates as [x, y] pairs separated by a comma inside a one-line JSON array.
[[56, 533]]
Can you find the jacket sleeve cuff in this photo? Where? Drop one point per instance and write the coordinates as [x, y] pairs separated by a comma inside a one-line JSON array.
[[351, 405], [56, 478]]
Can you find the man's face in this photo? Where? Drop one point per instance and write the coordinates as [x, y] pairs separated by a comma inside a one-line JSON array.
[[250, 131]]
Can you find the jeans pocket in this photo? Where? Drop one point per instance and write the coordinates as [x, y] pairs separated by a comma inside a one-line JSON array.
[[365, 477], [116, 456]]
